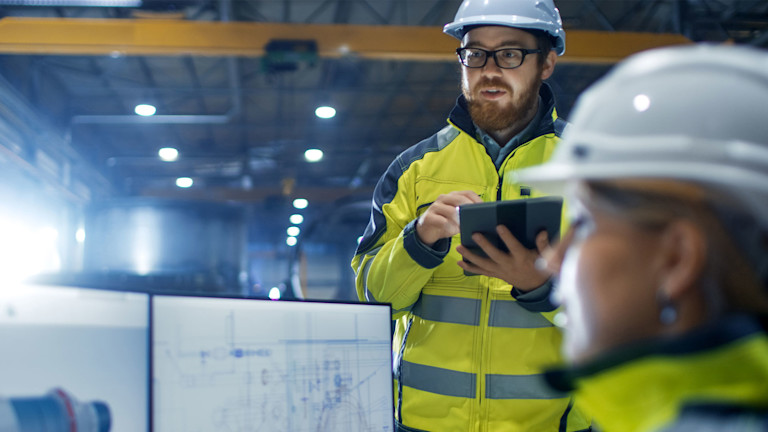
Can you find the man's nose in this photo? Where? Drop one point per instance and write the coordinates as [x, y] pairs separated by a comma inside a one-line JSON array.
[[491, 68]]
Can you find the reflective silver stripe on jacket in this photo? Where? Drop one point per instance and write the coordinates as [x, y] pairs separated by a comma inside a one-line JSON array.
[[519, 387], [462, 384], [511, 315], [455, 310], [438, 380], [458, 310]]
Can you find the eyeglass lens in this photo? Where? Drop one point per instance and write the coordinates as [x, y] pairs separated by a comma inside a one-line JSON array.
[[505, 58]]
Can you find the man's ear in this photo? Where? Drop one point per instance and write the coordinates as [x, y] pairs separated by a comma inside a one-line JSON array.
[[683, 255], [549, 65]]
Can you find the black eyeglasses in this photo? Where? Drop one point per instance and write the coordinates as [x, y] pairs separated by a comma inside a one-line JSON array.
[[505, 58]]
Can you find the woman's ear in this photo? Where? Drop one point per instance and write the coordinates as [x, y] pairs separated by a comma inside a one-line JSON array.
[[683, 256]]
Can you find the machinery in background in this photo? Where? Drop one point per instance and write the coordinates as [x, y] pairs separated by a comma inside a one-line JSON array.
[[57, 411]]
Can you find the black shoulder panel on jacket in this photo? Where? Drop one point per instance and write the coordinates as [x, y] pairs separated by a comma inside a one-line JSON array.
[[547, 126], [386, 188]]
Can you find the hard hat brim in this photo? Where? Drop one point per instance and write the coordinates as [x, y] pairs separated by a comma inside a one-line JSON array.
[[683, 158]]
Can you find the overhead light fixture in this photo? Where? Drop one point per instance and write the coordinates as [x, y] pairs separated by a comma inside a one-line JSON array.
[[168, 154], [293, 231], [145, 110], [313, 155], [274, 293], [325, 112], [291, 241], [300, 203], [74, 3], [296, 219], [184, 182]]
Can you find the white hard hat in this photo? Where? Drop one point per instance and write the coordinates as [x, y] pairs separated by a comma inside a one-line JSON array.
[[694, 113], [524, 14]]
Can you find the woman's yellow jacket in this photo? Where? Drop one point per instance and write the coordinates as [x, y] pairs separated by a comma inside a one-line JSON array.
[[714, 378]]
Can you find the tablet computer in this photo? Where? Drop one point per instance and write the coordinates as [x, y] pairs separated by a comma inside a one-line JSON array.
[[525, 218]]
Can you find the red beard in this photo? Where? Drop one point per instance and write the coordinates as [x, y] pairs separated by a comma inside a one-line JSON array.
[[493, 116]]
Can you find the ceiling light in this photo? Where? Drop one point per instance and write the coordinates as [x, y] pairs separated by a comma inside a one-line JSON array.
[[313, 155], [291, 241], [293, 231], [145, 110], [300, 203], [184, 182], [274, 293], [325, 112], [296, 219], [168, 154]]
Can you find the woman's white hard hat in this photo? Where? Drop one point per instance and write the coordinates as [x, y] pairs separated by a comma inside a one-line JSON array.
[[694, 113]]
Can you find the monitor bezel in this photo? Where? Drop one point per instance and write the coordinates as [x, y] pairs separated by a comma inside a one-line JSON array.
[[261, 299]]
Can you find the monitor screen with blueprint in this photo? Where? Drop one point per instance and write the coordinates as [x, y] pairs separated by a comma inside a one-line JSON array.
[[74, 347], [294, 366]]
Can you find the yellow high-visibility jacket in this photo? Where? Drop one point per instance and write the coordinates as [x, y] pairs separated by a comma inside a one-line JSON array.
[[468, 356], [712, 379]]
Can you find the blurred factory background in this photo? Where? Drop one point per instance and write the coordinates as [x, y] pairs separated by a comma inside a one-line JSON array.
[[178, 145]]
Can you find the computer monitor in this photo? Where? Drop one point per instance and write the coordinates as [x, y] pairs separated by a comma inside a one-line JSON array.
[[293, 366], [78, 353]]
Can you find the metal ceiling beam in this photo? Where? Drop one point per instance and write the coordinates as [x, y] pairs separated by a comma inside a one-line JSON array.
[[256, 194], [71, 36]]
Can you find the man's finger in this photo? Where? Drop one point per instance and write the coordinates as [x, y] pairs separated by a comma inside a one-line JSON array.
[[492, 251], [471, 196], [512, 243], [542, 241], [458, 198], [473, 263], [468, 254]]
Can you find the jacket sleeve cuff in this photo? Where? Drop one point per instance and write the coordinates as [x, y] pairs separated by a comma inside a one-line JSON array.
[[536, 300], [425, 256]]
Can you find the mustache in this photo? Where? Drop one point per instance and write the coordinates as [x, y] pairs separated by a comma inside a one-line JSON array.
[[495, 83]]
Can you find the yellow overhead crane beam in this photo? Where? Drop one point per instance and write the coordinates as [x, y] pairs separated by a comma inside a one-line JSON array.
[[77, 36]]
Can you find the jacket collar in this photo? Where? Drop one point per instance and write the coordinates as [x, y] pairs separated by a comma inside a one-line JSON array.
[[645, 386]]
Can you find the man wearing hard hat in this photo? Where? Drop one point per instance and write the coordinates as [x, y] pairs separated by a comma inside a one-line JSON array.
[[469, 350]]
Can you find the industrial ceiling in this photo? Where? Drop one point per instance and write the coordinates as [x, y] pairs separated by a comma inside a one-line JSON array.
[[236, 84]]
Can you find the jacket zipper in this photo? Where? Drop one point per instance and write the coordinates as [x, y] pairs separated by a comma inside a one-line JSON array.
[[523, 193], [485, 342], [485, 313]]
